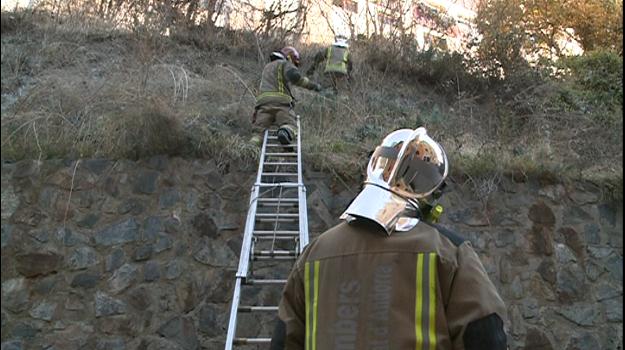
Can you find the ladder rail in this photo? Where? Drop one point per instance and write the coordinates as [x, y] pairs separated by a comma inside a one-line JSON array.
[[234, 308], [251, 217], [245, 250], [303, 222]]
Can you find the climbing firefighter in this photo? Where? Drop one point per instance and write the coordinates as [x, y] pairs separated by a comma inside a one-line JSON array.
[[337, 64], [388, 278], [274, 104]]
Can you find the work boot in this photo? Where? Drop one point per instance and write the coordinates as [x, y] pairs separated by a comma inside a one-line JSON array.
[[285, 137]]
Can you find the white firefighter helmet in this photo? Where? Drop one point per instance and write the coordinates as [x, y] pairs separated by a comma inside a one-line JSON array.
[[341, 41], [404, 176]]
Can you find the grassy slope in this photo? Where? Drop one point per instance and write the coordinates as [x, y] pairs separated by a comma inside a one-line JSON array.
[[90, 91]]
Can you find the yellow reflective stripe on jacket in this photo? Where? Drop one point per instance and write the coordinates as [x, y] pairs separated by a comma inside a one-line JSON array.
[[432, 286], [272, 94], [328, 57], [281, 78], [315, 306], [425, 308], [336, 67], [311, 290], [419, 304], [282, 92]]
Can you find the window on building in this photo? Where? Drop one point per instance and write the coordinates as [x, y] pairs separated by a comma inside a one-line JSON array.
[[388, 4], [349, 5], [424, 15]]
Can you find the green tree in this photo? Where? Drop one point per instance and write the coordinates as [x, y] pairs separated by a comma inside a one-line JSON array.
[[598, 24], [513, 29]]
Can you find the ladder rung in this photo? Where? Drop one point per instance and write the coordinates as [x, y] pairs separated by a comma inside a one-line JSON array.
[[259, 234], [246, 341], [279, 257], [281, 154], [278, 238], [280, 145], [247, 308], [277, 215], [277, 232], [290, 204], [275, 253], [277, 219], [278, 199], [279, 174], [284, 184], [265, 281], [280, 163]]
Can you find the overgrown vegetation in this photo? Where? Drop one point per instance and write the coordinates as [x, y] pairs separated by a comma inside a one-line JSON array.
[[84, 88], [514, 29]]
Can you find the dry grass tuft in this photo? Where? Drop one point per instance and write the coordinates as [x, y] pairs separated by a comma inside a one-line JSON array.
[[145, 128]]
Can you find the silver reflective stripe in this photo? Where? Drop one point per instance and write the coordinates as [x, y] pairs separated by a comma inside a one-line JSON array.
[[426, 304]]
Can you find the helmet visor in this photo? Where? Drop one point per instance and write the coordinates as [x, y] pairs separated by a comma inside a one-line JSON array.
[[384, 158], [422, 167]]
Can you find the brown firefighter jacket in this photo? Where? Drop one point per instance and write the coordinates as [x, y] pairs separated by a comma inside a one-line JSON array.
[[276, 80], [357, 288]]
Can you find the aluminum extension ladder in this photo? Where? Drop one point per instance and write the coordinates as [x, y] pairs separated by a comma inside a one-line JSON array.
[[276, 231]]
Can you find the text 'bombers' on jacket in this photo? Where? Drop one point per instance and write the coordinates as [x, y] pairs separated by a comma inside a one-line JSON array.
[[354, 287]]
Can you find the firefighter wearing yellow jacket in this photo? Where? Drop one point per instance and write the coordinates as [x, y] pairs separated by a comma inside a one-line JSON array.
[[274, 104], [385, 278], [337, 64]]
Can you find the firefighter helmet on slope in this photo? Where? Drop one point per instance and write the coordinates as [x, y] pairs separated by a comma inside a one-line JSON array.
[[341, 41], [291, 54], [404, 177]]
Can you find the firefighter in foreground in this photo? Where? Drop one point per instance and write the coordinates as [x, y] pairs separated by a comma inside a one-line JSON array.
[[386, 278], [274, 104], [337, 64]]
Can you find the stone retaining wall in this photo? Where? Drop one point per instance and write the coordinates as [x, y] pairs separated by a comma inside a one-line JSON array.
[[99, 254]]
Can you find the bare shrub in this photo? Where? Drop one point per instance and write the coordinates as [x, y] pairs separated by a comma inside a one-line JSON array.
[[13, 21], [112, 105], [405, 60], [146, 127]]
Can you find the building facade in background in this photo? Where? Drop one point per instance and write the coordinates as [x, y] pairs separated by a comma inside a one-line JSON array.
[[443, 24]]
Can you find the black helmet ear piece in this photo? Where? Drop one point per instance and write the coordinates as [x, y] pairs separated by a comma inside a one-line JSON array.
[[439, 191]]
